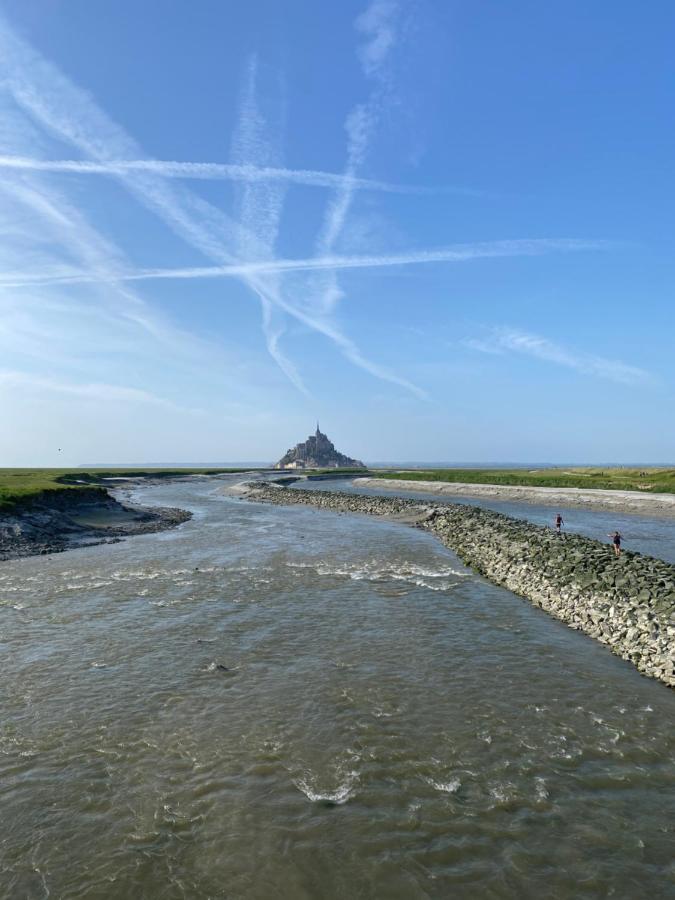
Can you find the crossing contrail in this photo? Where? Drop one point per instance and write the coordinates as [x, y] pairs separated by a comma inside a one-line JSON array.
[[455, 253], [211, 171]]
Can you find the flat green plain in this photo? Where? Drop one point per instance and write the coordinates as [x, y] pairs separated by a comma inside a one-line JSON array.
[[19, 487], [647, 480]]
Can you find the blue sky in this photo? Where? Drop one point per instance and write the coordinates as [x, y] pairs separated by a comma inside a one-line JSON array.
[[444, 228]]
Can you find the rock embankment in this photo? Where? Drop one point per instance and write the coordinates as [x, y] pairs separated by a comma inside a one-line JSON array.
[[589, 498], [627, 603], [69, 519]]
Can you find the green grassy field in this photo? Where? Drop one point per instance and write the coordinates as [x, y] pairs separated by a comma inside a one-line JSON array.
[[650, 480], [19, 487]]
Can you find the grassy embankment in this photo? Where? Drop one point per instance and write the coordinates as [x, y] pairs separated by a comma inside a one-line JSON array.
[[650, 480], [21, 487]]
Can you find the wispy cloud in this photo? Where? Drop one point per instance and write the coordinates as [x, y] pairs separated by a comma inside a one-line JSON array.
[[84, 334], [378, 27], [512, 340], [55, 223], [71, 115], [96, 391], [242, 245], [453, 254], [209, 171], [260, 206], [376, 23]]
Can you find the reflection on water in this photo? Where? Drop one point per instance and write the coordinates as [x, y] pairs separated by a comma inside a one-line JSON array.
[[291, 703]]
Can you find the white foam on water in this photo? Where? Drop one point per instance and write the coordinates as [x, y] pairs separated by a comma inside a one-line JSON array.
[[132, 575], [540, 789], [341, 794], [443, 578], [502, 794], [214, 666], [145, 836], [446, 787]]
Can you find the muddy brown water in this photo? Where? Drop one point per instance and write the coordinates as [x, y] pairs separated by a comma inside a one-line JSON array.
[[283, 702]]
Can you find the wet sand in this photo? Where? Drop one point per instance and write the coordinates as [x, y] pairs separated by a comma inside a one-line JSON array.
[[618, 501], [78, 519]]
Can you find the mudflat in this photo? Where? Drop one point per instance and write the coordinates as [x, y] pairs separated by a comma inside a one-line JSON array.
[[64, 521], [617, 500]]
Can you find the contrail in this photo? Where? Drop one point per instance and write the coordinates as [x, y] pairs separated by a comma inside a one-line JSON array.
[[68, 112], [260, 205], [455, 253], [213, 172]]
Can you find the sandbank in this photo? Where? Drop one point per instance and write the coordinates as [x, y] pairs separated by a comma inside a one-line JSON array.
[[588, 498]]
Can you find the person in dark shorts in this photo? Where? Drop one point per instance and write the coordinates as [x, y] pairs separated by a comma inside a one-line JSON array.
[[559, 523], [616, 541]]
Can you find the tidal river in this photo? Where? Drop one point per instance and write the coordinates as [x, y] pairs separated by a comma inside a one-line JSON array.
[[276, 702]]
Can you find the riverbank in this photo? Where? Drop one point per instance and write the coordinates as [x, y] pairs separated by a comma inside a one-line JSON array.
[[627, 603], [64, 520], [589, 498], [641, 479], [21, 487]]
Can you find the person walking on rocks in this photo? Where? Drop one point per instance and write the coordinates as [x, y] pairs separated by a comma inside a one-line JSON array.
[[559, 523], [616, 540]]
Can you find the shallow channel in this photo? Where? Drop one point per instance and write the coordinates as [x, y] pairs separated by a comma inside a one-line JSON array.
[[285, 702]]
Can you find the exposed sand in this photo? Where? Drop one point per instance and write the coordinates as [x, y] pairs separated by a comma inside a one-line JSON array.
[[241, 488], [616, 501]]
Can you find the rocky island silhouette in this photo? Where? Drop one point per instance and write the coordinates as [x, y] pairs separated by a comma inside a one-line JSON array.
[[317, 452]]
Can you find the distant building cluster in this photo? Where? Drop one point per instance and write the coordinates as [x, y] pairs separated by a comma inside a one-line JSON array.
[[317, 452]]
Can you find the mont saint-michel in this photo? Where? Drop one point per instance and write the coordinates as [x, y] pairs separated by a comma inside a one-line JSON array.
[[317, 452]]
